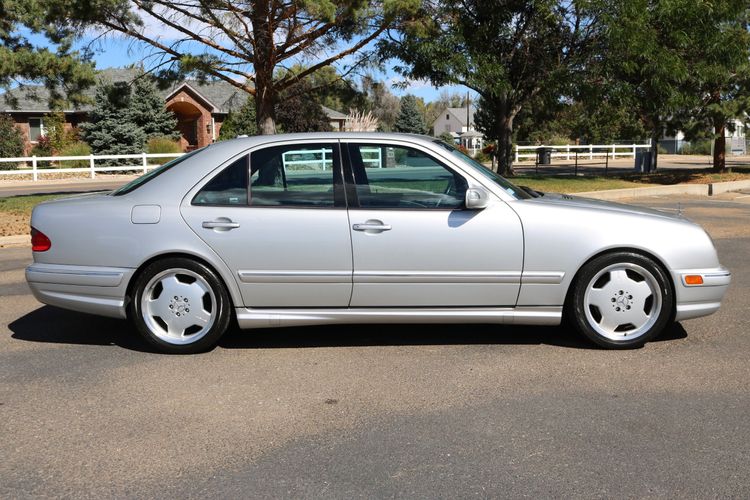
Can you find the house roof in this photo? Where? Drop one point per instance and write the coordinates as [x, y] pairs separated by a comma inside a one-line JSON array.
[[460, 114], [333, 114], [35, 98]]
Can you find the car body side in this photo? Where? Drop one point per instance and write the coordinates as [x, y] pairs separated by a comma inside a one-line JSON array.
[[99, 242]]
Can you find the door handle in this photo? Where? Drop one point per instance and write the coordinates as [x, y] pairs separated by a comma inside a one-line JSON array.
[[220, 224], [374, 226]]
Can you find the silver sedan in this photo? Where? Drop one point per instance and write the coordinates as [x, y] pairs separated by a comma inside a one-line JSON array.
[[363, 228]]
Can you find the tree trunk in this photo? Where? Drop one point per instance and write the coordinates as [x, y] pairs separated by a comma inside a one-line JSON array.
[[720, 147], [505, 147], [654, 151], [263, 64]]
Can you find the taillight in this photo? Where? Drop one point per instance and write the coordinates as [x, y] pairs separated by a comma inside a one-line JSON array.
[[39, 241]]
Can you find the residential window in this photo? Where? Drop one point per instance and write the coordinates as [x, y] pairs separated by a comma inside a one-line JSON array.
[[36, 129]]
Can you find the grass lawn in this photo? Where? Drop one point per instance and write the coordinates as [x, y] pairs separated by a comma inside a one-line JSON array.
[[571, 184], [22, 205]]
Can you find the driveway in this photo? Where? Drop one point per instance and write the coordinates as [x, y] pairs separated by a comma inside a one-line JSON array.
[[379, 411]]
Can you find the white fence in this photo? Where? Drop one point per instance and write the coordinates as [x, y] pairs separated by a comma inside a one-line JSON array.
[[141, 165], [585, 151]]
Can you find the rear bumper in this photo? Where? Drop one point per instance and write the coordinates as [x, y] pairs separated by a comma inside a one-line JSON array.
[[694, 301], [88, 289]]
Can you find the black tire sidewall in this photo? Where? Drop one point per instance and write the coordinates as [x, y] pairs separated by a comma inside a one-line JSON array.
[[578, 316], [223, 306]]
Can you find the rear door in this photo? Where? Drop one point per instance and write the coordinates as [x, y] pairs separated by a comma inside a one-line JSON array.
[[414, 242], [277, 217]]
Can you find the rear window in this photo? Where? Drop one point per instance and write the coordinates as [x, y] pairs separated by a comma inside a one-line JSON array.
[[140, 181]]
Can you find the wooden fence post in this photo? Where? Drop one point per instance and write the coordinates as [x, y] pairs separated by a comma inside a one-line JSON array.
[[33, 168], [91, 166], [145, 163]]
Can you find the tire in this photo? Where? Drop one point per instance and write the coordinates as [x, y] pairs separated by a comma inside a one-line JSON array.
[[180, 306], [621, 300]]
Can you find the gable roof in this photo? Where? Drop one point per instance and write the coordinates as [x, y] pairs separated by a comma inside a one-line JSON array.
[[460, 114], [222, 96], [333, 114]]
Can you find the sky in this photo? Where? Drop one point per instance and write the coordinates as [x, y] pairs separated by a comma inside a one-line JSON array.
[[116, 51]]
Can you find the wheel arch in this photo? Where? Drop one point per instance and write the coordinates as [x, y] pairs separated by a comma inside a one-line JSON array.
[[639, 251], [183, 255]]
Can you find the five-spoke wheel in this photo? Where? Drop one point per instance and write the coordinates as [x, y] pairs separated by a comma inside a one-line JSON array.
[[621, 300], [180, 306]]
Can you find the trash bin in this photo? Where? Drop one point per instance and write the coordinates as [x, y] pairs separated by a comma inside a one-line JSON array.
[[642, 161], [544, 156]]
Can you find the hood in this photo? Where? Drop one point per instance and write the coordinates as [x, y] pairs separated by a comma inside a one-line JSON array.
[[590, 203]]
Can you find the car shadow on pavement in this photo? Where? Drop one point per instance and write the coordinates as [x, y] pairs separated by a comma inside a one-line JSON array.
[[58, 326]]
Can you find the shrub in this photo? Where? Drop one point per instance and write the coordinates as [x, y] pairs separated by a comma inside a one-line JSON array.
[[43, 147], [463, 149], [447, 138], [11, 141], [162, 144], [699, 147], [79, 148], [482, 157]]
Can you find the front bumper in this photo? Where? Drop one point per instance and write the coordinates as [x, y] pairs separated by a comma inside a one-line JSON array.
[[88, 289], [694, 301]]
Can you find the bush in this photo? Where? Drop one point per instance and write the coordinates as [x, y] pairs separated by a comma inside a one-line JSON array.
[[700, 147], [482, 157], [79, 148], [11, 141], [162, 144], [43, 147]]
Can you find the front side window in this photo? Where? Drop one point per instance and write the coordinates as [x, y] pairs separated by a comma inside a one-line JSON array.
[[403, 177], [227, 188], [36, 129], [301, 175]]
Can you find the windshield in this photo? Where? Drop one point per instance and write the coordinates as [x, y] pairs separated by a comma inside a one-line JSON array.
[[140, 181], [501, 181]]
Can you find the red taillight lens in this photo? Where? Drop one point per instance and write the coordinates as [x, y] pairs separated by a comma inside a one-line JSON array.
[[39, 241]]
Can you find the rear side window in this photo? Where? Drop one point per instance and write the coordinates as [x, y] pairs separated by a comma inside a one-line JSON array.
[[229, 187], [299, 175]]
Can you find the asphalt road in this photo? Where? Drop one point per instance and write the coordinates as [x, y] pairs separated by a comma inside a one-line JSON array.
[[381, 411]]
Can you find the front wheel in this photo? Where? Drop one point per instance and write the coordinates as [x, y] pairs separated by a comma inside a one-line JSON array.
[[621, 300], [180, 306]]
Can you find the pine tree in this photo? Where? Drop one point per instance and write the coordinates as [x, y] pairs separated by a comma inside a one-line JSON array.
[[11, 140], [147, 111], [110, 129], [240, 122], [410, 120]]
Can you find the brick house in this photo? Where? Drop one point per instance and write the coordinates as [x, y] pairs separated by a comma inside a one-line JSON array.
[[200, 108]]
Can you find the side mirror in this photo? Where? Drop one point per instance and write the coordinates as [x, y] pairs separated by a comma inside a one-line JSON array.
[[477, 198]]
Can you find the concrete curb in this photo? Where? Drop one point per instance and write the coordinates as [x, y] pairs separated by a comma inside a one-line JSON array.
[[21, 240], [692, 189]]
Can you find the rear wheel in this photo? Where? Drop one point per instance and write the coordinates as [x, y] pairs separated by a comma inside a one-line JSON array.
[[621, 300], [180, 306]]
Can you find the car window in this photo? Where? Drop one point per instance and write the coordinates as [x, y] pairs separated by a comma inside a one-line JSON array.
[[294, 176], [403, 177], [228, 187]]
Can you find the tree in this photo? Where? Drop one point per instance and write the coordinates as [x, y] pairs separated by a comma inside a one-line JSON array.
[[11, 140], [410, 120], [147, 111], [110, 129], [54, 66], [240, 122], [718, 83], [508, 51], [244, 42], [301, 112], [381, 102]]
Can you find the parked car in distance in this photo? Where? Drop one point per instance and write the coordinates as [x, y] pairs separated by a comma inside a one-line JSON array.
[[363, 228]]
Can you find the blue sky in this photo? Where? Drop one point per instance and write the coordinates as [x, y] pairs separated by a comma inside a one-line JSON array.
[[115, 51]]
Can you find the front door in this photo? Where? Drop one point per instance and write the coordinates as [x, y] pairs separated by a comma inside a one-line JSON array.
[[414, 242], [285, 232]]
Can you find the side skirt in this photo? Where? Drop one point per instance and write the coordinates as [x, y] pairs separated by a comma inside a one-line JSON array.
[[271, 318]]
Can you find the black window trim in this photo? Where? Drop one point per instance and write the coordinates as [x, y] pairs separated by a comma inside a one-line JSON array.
[[351, 187]]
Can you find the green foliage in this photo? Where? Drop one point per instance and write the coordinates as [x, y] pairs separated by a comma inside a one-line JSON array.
[[79, 148], [410, 119], [59, 136], [381, 103], [296, 111], [447, 137], [11, 141], [482, 157], [110, 129], [162, 144], [240, 122], [697, 147], [43, 147], [147, 111]]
